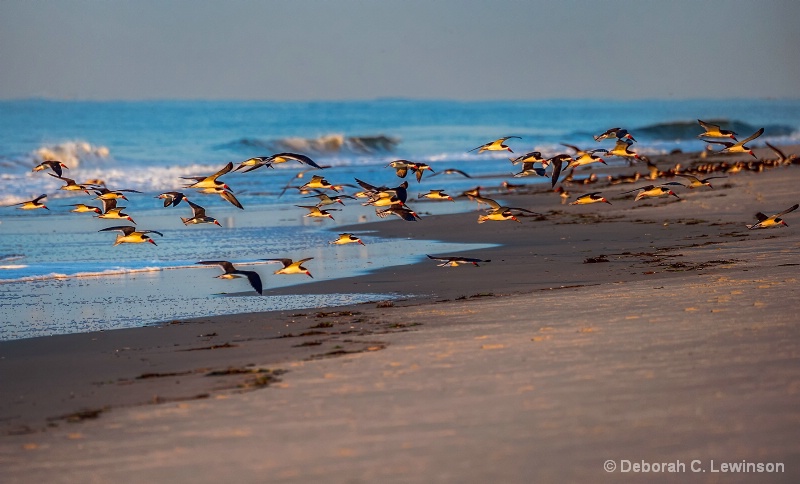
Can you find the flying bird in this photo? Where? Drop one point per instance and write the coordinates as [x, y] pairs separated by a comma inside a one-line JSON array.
[[199, 216], [454, 261], [32, 204], [131, 235], [347, 238], [231, 272], [695, 182], [714, 131], [590, 198], [496, 145], [54, 165], [291, 267], [210, 181], [765, 222], [451, 171], [172, 198], [654, 191], [618, 133], [738, 147]]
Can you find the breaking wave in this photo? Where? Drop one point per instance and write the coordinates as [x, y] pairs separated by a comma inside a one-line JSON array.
[[71, 153], [326, 144]]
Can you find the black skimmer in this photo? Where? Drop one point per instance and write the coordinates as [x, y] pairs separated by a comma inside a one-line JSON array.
[[589, 198], [765, 222], [172, 198], [400, 191], [419, 168], [499, 212], [654, 191], [291, 267], [325, 199], [622, 149], [584, 157], [54, 165], [401, 167], [318, 181], [231, 272], [403, 212], [82, 208], [451, 171], [558, 164], [254, 163], [112, 211], [303, 159], [453, 261], [530, 157], [69, 184], [211, 180], [738, 147], [782, 158], [315, 211], [347, 238], [33, 204], [104, 193], [618, 133], [131, 235], [714, 131], [436, 195], [496, 145], [382, 199], [199, 216], [695, 182], [528, 169]]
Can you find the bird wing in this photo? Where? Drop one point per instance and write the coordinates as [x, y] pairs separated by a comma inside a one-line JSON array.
[[487, 201], [225, 265], [300, 262], [781, 154], [254, 279], [692, 177], [726, 144], [752, 137], [225, 169], [761, 217], [109, 204], [231, 198], [708, 126], [151, 232], [285, 262], [790, 209], [36, 200], [297, 157], [125, 229], [197, 210], [645, 188]]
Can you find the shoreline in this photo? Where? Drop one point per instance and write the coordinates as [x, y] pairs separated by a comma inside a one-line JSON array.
[[687, 327]]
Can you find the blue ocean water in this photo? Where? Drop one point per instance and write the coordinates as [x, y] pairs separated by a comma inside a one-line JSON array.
[[149, 146]]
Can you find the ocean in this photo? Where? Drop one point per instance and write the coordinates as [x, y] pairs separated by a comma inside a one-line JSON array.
[[59, 274]]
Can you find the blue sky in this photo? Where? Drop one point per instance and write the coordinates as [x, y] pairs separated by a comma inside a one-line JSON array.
[[442, 49]]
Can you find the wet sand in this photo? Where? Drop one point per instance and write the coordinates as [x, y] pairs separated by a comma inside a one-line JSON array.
[[654, 331]]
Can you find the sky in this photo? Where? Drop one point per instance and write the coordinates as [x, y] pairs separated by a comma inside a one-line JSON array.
[[423, 49]]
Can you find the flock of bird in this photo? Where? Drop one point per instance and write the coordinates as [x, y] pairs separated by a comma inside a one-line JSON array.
[[389, 201]]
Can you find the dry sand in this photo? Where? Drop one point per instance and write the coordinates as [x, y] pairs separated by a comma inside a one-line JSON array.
[[535, 367]]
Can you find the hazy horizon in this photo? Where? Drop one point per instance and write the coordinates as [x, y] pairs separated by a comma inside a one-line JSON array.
[[358, 50]]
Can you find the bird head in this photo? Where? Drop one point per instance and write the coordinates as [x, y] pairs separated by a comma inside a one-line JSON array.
[[216, 222]]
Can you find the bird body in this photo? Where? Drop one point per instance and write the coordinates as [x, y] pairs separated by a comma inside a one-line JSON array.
[[347, 238], [589, 198], [315, 211], [33, 204], [292, 267], [714, 131], [130, 235], [210, 181], [653, 191], [436, 195], [496, 145]]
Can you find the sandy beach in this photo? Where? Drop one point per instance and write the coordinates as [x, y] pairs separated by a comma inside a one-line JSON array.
[[598, 338]]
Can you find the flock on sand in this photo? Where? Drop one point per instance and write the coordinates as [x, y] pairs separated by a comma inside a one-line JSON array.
[[393, 201]]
